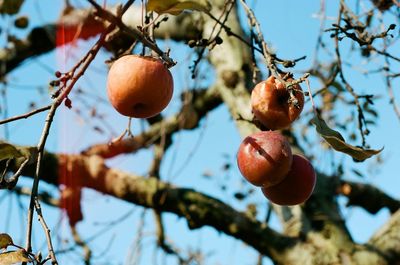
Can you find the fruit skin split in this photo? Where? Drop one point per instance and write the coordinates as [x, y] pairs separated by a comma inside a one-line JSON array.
[[271, 106], [264, 158], [139, 86]]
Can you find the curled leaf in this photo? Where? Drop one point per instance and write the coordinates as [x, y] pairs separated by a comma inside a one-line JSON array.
[[5, 240], [175, 7], [337, 142], [13, 257]]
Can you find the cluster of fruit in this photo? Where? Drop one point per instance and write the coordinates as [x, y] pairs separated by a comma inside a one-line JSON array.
[[142, 86], [265, 158]]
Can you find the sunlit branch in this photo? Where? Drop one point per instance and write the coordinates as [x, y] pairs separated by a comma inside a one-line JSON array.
[[203, 101], [368, 197]]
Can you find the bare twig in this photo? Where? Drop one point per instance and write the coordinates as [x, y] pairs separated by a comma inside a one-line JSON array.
[[389, 84], [229, 32], [349, 88], [269, 57], [78, 240], [63, 94], [46, 230], [117, 21], [386, 54], [228, 6], [322, 17], [12, 181], [44, 197], [136, 251], [203, 101], [26, 115], [166, 247]]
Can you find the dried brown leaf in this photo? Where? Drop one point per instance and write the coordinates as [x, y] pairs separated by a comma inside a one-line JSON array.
[[337, 142], [175, 7], [13, 257], [5, 240], [8, 151]]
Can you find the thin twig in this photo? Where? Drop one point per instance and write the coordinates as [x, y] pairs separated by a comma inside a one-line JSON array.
[[5, 170], [269, 57], [137, 245], [12, 181], [26, 115], [117, 21], [389, 85], [78, 240], [46, 230], [384, 53], [35, 184], [322, 17], [228, 6], [349, 88], [166, 247], [229, 32], [83, 65], [44, 197]]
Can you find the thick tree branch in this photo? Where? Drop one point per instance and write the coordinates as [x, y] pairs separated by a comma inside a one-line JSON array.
[[73, 25], [387, 239], [82, 24], [189, 117], [201, 210], [232, 60], [368, 197], [197, 208]]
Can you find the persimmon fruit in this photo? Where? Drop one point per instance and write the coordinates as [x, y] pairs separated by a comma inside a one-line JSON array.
[[296, 187], [271, 105], [139, 86], [264, 158]]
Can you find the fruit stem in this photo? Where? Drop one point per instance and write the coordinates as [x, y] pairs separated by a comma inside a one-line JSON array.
[[310, 95]]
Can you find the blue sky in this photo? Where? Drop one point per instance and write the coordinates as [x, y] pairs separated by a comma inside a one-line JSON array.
[[291, 28]]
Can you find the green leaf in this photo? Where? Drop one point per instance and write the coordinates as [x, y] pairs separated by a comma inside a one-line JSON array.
[[337, 142], [175, 7], [13, 257], [10, 7], [8, 151], [5, 241]]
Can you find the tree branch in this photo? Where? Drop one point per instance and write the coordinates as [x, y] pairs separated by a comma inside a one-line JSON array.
[[387, 239], [368, 197], [189, 117], [202, 210], [197, 208], [74, 24], [82, 24], [321, 211]]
